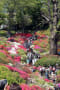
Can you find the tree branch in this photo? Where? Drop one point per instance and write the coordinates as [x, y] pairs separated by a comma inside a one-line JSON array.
[[46, 18]]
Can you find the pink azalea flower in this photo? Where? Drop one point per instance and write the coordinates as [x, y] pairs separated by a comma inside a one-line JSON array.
[[37, 47], [38, 68], [25, 87], [22, 73], [58, 84], [17, 59], [3, 51], [35, 87], [34, 67], [47, 80], [8, 48]]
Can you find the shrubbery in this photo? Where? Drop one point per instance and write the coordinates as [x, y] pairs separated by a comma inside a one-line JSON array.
[[22, 53], [4, 59], [11, 77], [48, 60], [58, 76], [3, 33]]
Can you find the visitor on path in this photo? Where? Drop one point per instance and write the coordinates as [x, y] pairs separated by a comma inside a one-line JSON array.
[[15, 86], [50, 69], [35, 58], [53, 77], [28, 61], [3, 84], [47, 73], [30, 55], [27, 44], [37, 55], [11, 39], [43, 69], [54, 69], [34, 37]]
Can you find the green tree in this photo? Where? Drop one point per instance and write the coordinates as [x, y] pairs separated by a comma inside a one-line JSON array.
[[10, 7], [53, 23], [23, 16], [2, 18]]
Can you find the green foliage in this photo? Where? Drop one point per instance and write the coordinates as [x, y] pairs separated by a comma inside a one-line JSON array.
[[27, 12], [58, 72], [3, 33], [4, 59], [22, 53], [58, 78], [42, 82], [2, 18], [48, 60], [11, 77]]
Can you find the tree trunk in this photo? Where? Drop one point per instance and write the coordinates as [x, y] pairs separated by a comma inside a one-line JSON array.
[[53, 30], [53, 46]]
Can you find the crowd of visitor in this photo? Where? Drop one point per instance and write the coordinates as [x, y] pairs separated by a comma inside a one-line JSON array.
[[50, 73], [32, 56]]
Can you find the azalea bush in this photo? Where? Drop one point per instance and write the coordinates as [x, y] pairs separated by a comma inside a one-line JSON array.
[[33, 87], [58, 78], [4, 59], [22, 53], [45, 32], [27, 70], [40, 81], [3, 33], [22, 73], [58, 72], [48, 60], [11, 77], [41, 45]]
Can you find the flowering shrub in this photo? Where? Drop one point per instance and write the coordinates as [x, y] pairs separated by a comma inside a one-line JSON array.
[[58, 78], [17, 59], [37, 47], [41, 45], [35, 87], [23, 74], [22, 54], [22, 47], [58, 72], [46, 32], [23, 34], [27, 70], [25, 87], [3, 57], [11, 77]]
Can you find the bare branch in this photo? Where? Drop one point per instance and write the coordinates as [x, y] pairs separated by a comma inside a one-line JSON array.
[[46, 18]]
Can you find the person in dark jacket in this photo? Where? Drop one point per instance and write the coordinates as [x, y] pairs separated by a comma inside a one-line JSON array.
[[3, 84]]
